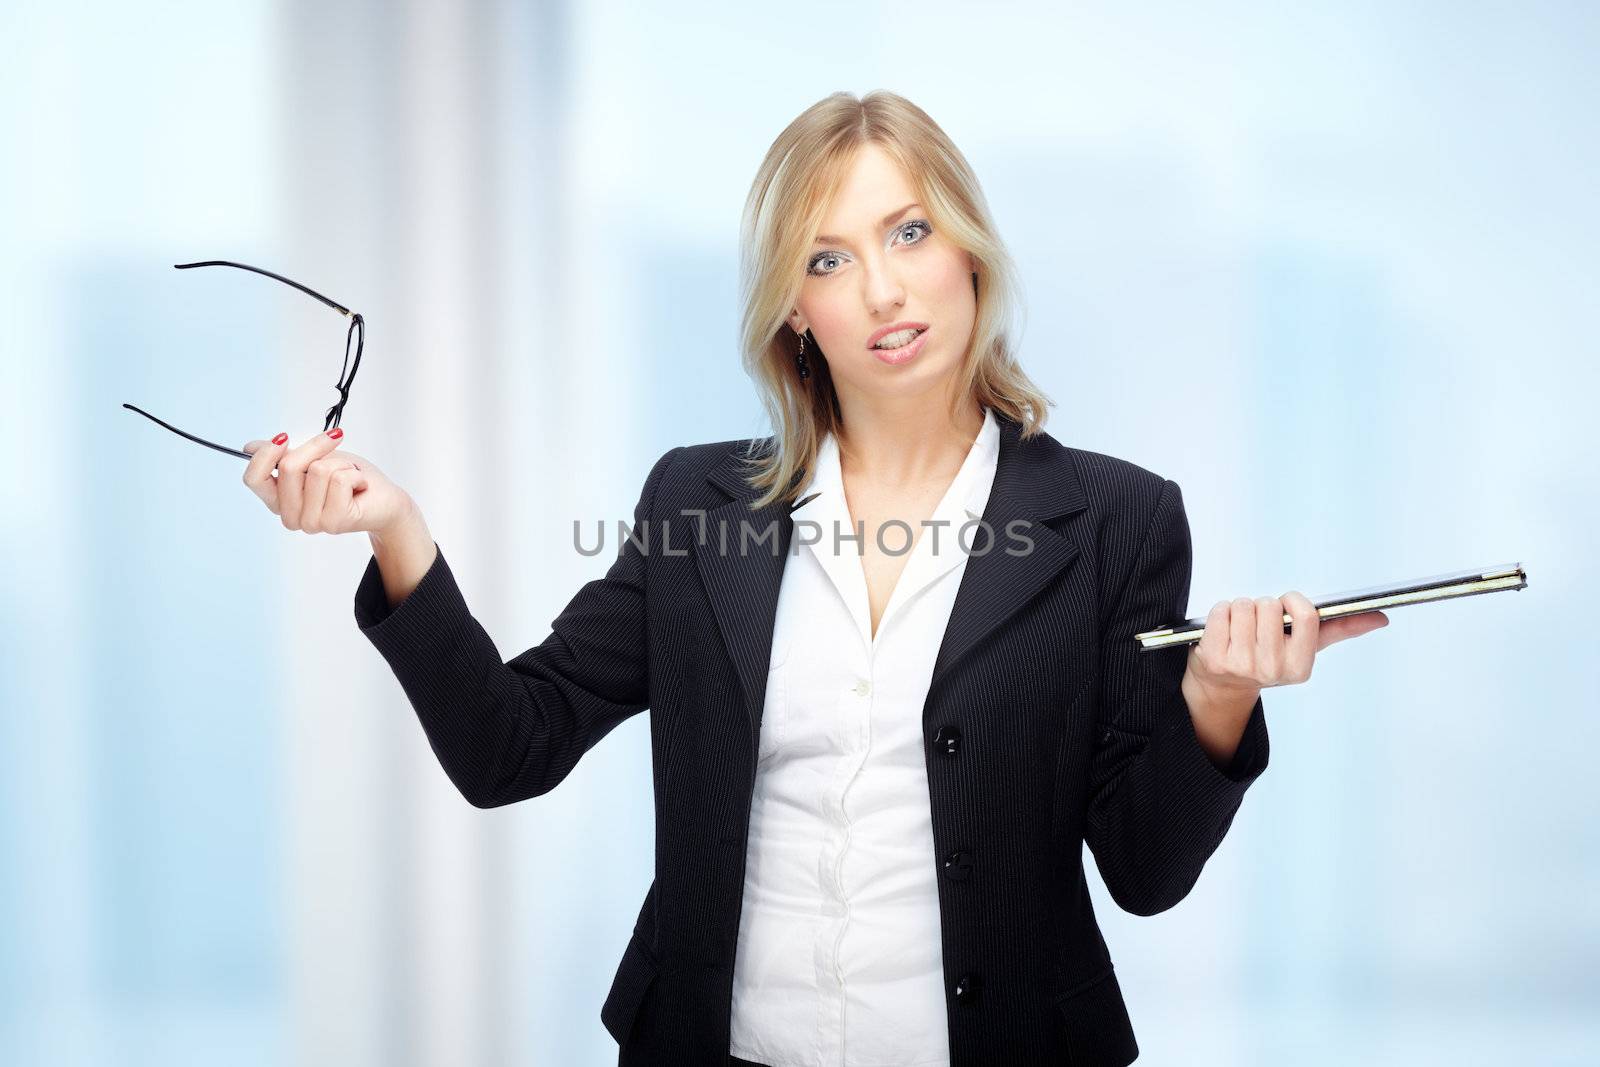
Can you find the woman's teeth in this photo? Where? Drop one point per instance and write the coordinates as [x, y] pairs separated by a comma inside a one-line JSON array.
[[896, 340]]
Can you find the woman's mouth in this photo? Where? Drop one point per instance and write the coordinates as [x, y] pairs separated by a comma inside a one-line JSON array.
[[904, 354]]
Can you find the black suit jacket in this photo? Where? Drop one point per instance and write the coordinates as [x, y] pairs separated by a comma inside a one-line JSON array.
[[1045, 728]]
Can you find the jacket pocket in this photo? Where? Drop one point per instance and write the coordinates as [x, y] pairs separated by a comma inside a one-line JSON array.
[[1095, 1021], [634, 974]]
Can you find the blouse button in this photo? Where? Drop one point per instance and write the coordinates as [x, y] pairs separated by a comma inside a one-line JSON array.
[[863, 687]]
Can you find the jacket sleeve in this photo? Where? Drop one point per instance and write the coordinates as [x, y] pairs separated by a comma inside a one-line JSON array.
[[507, 731], [1158, 806]]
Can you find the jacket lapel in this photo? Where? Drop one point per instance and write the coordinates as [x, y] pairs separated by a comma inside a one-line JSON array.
[[1034, 482], [743, 585]]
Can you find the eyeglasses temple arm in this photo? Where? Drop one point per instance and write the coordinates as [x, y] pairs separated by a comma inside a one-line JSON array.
[[340, 308], [190, 436]]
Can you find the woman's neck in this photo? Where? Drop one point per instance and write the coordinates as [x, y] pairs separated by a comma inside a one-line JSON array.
[[908, 446]]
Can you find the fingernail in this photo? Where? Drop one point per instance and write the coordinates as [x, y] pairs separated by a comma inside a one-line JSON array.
[[336, 433], [280, 439]]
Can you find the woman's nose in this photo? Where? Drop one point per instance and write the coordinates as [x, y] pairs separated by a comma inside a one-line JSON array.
[[883, 290]]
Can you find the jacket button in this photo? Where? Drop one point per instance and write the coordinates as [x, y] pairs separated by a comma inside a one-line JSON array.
[[968, 986], [958, 865], [947, 741]]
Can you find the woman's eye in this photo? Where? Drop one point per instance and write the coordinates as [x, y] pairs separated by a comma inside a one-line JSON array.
[[919, 226], [812, 267]]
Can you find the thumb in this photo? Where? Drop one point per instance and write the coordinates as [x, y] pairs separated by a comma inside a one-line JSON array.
[[1333, 631]]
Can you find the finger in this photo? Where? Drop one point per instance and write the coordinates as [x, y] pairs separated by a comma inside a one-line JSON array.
[[338, 510], [313, 488], [1269, 640], [1336, 630], [1213, 646], [1302, 650], [315, 514], [1242, 636], [264, 456], [292, 472]]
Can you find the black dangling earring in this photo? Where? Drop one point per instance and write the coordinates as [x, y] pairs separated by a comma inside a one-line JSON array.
[[800, 360]]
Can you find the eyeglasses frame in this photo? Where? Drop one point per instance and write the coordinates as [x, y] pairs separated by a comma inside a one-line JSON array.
[[356, 333]]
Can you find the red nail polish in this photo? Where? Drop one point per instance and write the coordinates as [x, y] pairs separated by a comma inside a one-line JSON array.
[[280, 439], [336, 433]]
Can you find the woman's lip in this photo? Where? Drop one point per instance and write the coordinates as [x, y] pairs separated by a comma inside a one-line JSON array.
[[884, 331], [904, 354]]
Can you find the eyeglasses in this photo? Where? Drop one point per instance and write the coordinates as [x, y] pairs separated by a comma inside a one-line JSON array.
[[356, 335]]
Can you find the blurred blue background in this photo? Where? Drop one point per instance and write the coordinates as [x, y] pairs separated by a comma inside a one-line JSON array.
[[1343, 254]]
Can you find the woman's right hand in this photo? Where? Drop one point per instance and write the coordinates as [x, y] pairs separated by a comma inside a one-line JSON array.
[[320, 490]]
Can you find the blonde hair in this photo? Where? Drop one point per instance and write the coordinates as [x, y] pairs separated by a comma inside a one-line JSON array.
[[782, 215]]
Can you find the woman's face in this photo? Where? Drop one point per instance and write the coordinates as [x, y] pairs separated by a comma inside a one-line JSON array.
[[880, 263]]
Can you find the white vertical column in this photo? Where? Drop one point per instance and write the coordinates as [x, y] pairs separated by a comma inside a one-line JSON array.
[[442, 178], [398, 916]]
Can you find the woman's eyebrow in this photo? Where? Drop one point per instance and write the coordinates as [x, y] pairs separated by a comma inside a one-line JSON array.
[[829, 239]]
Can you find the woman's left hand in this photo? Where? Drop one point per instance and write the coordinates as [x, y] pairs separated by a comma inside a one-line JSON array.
[[1245, 650]]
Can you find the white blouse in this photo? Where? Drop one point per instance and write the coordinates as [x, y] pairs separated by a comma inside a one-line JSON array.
[[839, 960]]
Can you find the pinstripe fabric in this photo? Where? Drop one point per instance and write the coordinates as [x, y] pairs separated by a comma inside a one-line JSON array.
[[1053, 730]]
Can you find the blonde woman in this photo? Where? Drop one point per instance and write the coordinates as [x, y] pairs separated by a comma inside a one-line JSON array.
[[888, 655]]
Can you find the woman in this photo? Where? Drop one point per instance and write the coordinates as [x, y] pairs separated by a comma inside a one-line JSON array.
[[888, 654]]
